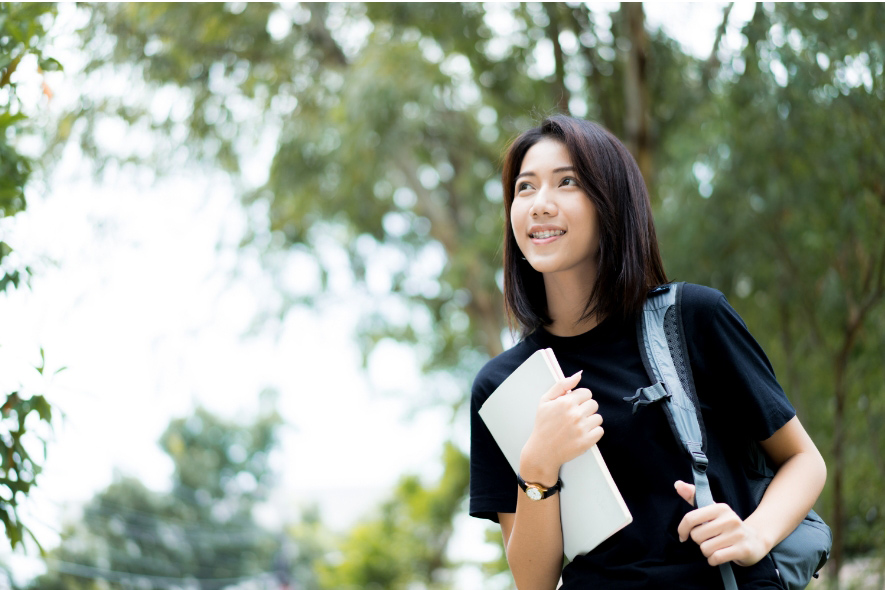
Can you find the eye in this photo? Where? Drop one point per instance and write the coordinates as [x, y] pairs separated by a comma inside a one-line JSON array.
[[522, 186], [569, 181]]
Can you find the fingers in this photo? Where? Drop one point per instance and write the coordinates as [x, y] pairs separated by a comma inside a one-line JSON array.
[[724, 547], [717, 531], [724, 555], [594, 434], [567, 421], [722, 535], [583, 408], [695, 519], [582, 396], [590, 407], [564, 386], [723, 524], [591, 420], [686, 491]]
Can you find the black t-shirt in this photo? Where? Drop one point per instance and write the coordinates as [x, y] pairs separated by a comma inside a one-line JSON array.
[[740, 400]]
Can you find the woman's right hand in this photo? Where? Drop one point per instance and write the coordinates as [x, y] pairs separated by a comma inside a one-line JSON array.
[[566, 425]]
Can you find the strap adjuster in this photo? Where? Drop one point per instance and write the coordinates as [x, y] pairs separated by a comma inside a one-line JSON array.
[[700, 461]]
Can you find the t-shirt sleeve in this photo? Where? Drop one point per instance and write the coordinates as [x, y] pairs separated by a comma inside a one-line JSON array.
[[492, 481], [733, 373]]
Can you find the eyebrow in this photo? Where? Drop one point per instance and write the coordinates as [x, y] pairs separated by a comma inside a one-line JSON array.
[[555, 171]]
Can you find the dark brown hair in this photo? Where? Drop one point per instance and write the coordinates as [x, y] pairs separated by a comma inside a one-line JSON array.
[[629, 260]]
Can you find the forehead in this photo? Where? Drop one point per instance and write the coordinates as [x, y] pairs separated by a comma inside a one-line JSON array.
[[547, 154]]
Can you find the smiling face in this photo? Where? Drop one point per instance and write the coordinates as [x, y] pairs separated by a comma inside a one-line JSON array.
[[553, 219]]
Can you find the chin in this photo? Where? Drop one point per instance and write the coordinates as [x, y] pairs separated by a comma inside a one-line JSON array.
[[543, 267]]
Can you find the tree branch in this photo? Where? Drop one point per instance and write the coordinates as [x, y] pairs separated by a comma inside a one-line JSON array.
[[712, 64], [320, 36], [875, 295], [444, 228], [9, 70], [811, 317], [880, 280]]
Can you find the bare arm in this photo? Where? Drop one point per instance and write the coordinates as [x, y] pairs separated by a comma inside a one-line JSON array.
[[796, 486], [534, 549], [566, 425], [798, 482]]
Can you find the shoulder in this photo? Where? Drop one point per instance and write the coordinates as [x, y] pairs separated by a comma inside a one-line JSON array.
[[706, 310], [731, 371], [712, 326], [497, 369], [701, 299]]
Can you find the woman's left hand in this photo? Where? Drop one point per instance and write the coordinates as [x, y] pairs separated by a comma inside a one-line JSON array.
[[722, 535]]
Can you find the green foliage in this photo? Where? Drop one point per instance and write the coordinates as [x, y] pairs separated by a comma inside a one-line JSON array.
[[406, 545], [387, 122], [23, 28], [200, 534], [228, 462], [22, 32], [18, 467], [797, 202], [307, 545], [20, 432]]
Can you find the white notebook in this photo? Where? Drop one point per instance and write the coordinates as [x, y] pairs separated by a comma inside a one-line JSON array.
[[591, 507]]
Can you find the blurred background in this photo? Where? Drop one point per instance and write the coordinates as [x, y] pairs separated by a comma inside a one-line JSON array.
[[250, 263]]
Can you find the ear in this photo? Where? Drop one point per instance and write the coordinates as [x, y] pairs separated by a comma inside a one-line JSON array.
[[686, 490]]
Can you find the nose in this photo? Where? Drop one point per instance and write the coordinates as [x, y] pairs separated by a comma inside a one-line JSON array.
[[544, 203]]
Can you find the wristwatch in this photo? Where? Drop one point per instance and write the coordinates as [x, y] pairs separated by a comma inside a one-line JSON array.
[[536, 491]]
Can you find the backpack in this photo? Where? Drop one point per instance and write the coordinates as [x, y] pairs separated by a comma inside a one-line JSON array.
[[804, 552]]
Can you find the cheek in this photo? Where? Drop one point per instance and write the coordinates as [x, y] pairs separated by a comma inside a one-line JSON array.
[[591, 221], [516, 218]]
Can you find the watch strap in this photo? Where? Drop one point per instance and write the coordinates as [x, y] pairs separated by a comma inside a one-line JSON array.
[[545, 491]]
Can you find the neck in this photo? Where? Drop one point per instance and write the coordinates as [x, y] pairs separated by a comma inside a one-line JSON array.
[[567, 295]]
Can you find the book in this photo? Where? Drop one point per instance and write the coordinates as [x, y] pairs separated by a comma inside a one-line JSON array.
[[591, 506]]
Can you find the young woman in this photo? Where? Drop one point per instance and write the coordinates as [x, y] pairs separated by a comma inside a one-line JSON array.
[[580, 255]]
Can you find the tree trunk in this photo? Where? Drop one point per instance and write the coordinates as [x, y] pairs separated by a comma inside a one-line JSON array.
[[553, 30], [636, 95], [792, 382], [485, 310], [582, 21], [838, 469], [858, 312]]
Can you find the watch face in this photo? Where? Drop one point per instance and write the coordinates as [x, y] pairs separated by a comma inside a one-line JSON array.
[[533, 493]]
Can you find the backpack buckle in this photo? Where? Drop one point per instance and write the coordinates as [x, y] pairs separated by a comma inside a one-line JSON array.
[[646, 396], [659, 289]]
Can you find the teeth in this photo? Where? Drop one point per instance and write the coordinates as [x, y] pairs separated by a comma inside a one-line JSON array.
[[540, 235]]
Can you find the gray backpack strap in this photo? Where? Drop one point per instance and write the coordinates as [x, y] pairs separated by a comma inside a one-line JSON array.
[[660, 332]]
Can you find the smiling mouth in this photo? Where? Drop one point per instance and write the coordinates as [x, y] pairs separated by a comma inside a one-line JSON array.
[[540, 235]]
